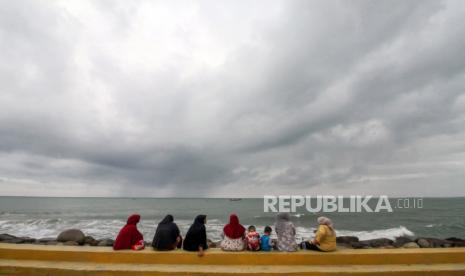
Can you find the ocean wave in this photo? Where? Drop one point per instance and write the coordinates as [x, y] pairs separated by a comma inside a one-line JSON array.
[[390, 233], [432, 225], [298, 215], [50, 228]]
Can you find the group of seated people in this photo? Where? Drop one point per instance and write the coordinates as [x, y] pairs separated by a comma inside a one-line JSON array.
[[235, 237]]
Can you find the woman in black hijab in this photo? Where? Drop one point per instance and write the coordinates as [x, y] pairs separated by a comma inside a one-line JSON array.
[[196, 237], [167, 236]]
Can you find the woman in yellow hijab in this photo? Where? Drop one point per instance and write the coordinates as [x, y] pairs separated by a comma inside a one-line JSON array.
[[325, 238]]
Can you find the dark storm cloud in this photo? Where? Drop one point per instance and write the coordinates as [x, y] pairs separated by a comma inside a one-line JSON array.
[[201, 98]]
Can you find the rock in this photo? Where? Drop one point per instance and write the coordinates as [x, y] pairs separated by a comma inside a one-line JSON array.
[[360, 245], [400, 241], [4, 237], [411, 245], [454, 239], [433, 242], [346, 239], [90, 241], [456, 242], [71, 243], [47, 241], [382, 242], [106, 242], [14, 240], [440, 243], [52, 242], [72, 235], [28, 239], [7, 238], [423, 243], [344, 245], [212, 244]]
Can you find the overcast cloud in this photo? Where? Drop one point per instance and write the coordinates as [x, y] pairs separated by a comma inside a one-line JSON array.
[[232, 98]]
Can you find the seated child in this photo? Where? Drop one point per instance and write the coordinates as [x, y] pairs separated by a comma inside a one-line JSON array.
[[253, 239], [265, 240]]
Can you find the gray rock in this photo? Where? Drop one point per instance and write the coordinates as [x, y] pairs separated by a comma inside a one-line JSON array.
[[211, 244], [71, 243], [106, 242], [423, 243], [47, 241], [28, 239], [346, 239], [75, 235], [5, 237], [440, 242], [90, 241], [344, 245], [51, 243], [400, 241], [360, 245], [433, 242], [14, 240], [455, 239], [382, 242], [411, 245], [456, 242]]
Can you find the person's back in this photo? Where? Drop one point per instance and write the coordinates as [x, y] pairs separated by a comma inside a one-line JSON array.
[[265, 240], [233, 235], [253, 239], [326, 238], [129, 236], [285, 231], [196, 237], [167, 235]]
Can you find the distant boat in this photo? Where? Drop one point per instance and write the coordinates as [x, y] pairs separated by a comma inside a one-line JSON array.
[[235, 199]]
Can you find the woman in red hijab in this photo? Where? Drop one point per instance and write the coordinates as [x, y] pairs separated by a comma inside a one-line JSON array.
[[233, 235], [129, 235]]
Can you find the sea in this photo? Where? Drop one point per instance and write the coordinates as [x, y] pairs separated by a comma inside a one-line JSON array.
[[46, 217]]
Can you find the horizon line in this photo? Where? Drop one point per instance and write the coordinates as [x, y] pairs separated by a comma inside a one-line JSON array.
[[211, 197]]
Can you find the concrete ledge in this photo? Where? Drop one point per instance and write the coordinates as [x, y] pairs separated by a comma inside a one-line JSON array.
[[218, 257], [38, 268], [72, 260]]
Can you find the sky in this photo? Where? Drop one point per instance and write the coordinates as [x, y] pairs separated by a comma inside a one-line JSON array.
[[232, 98]]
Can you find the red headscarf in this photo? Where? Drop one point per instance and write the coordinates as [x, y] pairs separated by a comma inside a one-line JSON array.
[[129, 235], [233, 229]]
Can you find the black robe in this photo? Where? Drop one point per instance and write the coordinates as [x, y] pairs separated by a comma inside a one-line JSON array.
[[166, 234], [197, 235]]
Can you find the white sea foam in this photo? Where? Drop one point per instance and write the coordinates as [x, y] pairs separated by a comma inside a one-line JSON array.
[[390, 233], [298, 215], [109, 228]]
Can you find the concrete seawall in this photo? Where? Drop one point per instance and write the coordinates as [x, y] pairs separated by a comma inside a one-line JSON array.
[[70, 260]]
